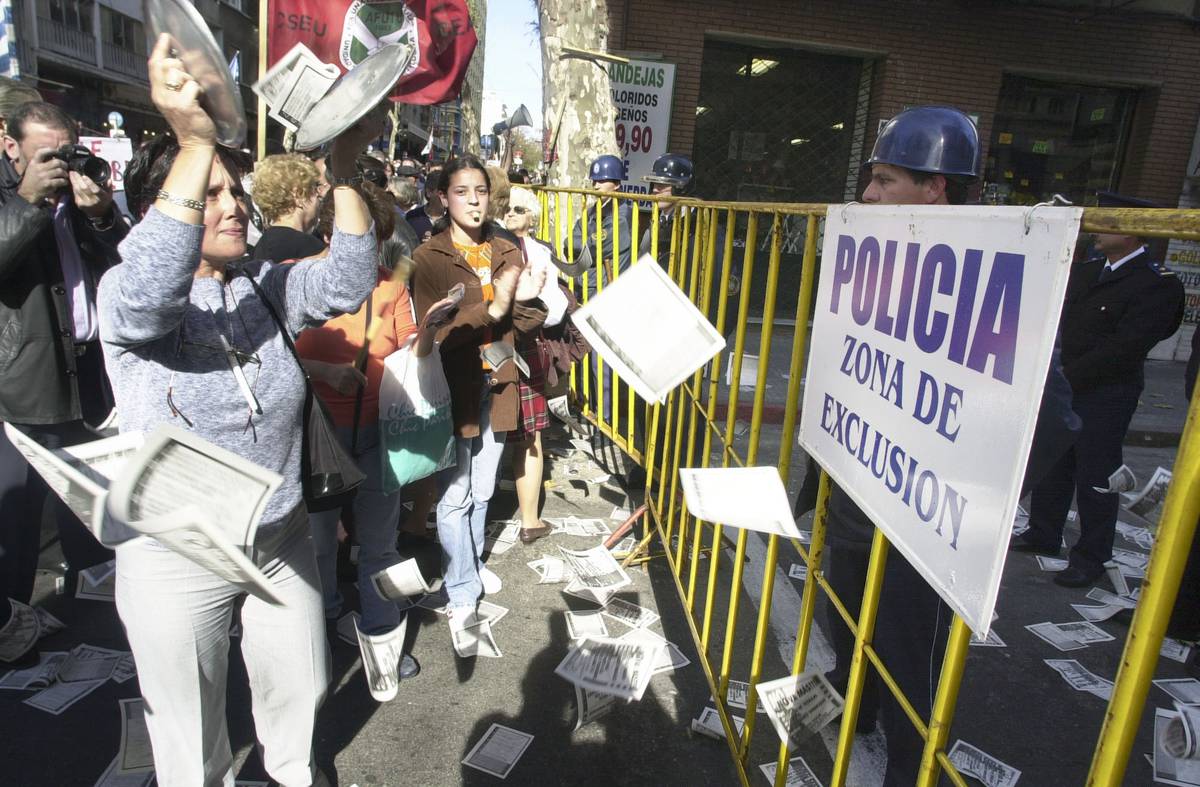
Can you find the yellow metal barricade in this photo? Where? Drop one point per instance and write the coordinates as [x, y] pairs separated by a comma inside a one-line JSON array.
[[707, 241]]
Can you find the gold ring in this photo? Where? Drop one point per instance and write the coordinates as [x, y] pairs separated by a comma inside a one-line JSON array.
[[173, 85]]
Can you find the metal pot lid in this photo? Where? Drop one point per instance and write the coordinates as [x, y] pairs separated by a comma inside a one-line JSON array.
[[354, 95], [196, 47]]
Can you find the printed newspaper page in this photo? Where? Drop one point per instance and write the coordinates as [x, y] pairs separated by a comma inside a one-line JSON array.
[[199, 500], [294, 85], [799, 705], [747, 497], [644, 302], [622, 668], [597, 572]]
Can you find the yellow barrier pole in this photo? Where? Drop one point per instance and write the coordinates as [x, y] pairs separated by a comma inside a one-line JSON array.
[[679, 262], [710, 416], [756, 419], [598, 270], [614, 381], [710, 253], [664, 474], [687, 393], [634, 243], [1172, 546], [739, 553], [858, 665], [953, 665]]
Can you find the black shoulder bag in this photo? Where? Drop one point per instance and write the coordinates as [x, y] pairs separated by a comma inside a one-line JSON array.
[[328, 474]]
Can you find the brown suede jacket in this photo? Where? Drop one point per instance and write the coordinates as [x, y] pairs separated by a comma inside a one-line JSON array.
[[438, 267]]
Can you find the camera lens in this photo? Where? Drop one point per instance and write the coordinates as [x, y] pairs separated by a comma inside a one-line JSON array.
[[97, 169]]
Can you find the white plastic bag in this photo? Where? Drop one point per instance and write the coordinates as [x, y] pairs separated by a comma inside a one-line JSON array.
[[416, 426]]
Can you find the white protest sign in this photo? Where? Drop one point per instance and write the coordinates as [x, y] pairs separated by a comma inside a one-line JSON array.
[[641, 91], [931, 338], [116, 151]]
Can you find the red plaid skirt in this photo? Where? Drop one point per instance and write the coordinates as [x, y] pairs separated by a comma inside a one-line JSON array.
[[535, 416]]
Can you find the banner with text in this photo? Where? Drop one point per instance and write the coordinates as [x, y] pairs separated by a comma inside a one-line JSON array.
[[932, 334], [117, 151], [642, 91]]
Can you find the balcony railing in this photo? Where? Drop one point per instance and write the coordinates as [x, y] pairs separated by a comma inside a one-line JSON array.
[[123, 61], [65, 40]]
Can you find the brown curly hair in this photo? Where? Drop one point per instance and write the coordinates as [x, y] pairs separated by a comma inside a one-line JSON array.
[[281, 182], [379, 204]]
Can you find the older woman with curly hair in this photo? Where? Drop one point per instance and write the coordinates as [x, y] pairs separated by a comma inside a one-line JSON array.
[[287, 190]]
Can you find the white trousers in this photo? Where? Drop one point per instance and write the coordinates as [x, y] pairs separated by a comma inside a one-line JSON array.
[[177, 617]]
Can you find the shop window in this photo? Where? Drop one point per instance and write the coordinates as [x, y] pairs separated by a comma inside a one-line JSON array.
[[1055, 138], [75, 14]]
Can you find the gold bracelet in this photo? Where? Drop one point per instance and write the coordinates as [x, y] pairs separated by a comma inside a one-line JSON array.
[[182, 202]]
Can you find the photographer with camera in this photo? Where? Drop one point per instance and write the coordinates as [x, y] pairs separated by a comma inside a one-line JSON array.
[[58, 233]]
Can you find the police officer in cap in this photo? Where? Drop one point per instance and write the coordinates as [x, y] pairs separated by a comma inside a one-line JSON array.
[[1119, 304], [671, 175], [923, 156], [606, 174]]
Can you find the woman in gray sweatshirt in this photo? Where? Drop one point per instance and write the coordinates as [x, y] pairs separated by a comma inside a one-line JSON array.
[[187, 341]]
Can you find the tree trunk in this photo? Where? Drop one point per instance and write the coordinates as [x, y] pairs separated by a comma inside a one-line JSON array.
[[471, 98], [576, 97]]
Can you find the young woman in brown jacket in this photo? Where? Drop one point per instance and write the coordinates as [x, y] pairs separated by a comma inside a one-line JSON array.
[[499, 302]]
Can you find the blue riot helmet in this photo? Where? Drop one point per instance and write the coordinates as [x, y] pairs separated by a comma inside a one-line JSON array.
[[607, 168], [673, 170], [937, 140]]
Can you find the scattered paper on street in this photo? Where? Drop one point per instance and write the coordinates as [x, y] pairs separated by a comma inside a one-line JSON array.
[[585, 624], [126, 668], [597, 573], [798, 775], [560, 408], [498, 750], [89, 663], [748, 378], [1080, 678], [550, 570], [490, 613], [1116, 574], [1181, 738], [983, 766], [708, 723], [380, 653], [629, 613], [620, 514], [39, 676], [1141, 536], [670, 658], [1051, 563], [135, 755], [573, 526], [435, 602], [403, 580], [1144, 501], [1121, 480], [1168, 769], [1181, 689], [1085, 632], [57, 697], [1105, 597], [112, 777], [991, 641], [475, 639], [98, 583], [753, 498], [47, 623], [1051, 633], [799, 705], [798, 571], [1175, 650], [622, 668], [644, 302], [1130, 558], [735, 695], [347, 628], [592, 705], [625, 546], [1095, 614]]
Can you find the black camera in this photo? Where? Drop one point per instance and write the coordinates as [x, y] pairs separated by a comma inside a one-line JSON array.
[[79, 159]]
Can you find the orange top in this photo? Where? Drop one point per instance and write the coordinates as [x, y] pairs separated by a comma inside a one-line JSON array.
[[339, 340], [479, 259]]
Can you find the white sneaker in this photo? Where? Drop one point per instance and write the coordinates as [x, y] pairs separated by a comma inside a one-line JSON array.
[[491, 582], [381, 655]]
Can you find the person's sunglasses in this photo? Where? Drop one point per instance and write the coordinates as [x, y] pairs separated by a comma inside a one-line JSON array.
[[518, 209]]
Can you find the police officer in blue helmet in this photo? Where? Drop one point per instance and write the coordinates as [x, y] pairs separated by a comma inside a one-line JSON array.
[[671, 175], [923, 156]]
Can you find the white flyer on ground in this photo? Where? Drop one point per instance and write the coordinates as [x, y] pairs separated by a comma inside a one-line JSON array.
[[57, 697], [1080, 678], [1181, 689], [753, 498], [799, 774], [1168, 769], [1144, 501], [1051, 634], [622, 668], [592, 705], [643, 302], [708, 723], [585, 624], [597, 573], [983, 766], [629, 613], [112, 777], [799, 705], [498, 750], [928, 358], [135, 755]]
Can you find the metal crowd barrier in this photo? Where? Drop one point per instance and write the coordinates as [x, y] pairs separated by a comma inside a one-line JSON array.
[[705, 242]]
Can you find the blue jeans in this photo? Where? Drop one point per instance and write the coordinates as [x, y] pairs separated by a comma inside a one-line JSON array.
[[376, 516], [466, 489]]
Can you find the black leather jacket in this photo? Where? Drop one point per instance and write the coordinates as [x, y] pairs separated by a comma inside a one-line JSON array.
[[38, 380]]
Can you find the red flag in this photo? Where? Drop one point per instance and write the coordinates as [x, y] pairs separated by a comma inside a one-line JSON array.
[[344, 32]]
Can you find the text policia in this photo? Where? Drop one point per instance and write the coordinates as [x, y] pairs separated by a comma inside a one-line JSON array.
[[980, 334]]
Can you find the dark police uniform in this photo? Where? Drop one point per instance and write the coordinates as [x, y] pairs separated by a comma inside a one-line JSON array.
[[1110, 321]]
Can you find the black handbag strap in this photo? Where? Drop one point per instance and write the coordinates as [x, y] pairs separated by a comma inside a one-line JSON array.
[[358, 396], [283, 329]]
